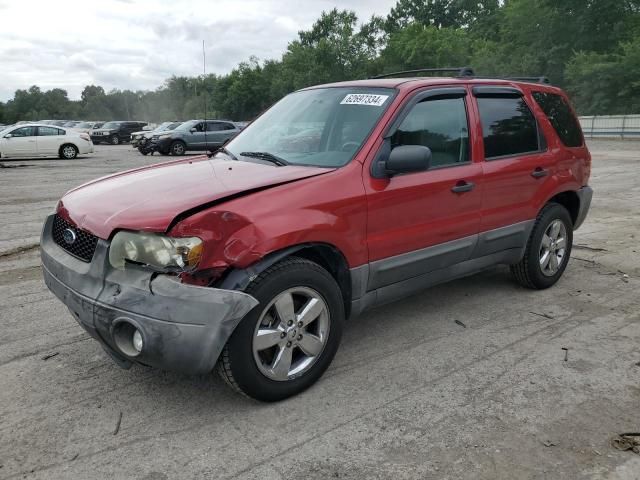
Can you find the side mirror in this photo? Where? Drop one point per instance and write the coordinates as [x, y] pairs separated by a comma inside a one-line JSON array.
[[8, 135], [193, 130], [407, 159]]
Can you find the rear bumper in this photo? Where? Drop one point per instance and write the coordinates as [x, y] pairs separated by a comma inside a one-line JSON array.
[[183, 327], [584, 194], [85, 148]]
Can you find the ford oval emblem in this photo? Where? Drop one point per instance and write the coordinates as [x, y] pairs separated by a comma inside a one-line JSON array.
[[69, 236]]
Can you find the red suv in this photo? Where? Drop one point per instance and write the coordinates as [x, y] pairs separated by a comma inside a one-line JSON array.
[[339, 198]]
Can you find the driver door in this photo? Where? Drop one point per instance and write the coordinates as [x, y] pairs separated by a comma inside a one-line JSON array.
[[195, 138], [427, 220], [21, 143]]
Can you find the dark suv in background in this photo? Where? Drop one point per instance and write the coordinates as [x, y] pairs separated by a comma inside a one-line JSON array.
[[199, 135], [116, 132]]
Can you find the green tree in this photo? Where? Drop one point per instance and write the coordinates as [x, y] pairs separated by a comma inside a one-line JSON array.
[[606, 83]]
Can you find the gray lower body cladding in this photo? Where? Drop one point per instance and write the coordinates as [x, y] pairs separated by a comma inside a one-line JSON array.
[[402, 275], [584, 194], [183, 327]]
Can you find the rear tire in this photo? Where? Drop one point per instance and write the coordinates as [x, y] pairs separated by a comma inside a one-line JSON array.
[[306, 335], [548, 249], [68, 151], [115, 140]]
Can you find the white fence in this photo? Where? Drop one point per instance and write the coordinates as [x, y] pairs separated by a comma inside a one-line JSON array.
[[621, 126]]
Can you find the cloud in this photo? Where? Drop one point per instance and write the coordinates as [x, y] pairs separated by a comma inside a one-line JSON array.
[[137, 44]]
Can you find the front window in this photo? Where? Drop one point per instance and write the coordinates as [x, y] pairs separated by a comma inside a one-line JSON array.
[[24, 132], [319, 127], [440, 125], [187, 126]]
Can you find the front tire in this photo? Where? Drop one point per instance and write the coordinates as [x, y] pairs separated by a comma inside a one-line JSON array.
[[178, 148], [68, 152], [548, 249], [143, 150], [284, 345], [115, 140]]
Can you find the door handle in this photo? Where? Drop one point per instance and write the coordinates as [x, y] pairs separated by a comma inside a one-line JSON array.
[[540, 172], [463, 186]]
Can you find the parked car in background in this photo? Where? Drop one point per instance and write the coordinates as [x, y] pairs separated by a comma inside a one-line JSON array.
[[116, 132], [71, 123], [136, 137], [194, 135], [86, 127], [38, 140]]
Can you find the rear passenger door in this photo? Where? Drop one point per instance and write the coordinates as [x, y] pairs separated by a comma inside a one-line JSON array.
[[516, 164], [49, 140], [424, 221]]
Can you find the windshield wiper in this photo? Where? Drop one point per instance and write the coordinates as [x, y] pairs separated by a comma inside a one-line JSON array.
[[222, 150], [269, 157]]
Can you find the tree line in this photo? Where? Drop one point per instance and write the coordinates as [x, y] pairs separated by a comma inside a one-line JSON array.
[[589, 47]]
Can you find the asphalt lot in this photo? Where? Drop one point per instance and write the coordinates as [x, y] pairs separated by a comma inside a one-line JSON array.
[[411, 393]]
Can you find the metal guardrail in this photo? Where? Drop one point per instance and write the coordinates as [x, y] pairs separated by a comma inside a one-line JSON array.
[[611, 126]]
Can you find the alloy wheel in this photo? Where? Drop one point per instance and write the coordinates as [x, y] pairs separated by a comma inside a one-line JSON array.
[[291, 334], [69, 152], [553, 248]]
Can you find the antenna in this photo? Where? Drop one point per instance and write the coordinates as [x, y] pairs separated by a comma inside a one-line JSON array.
[[204, 81]]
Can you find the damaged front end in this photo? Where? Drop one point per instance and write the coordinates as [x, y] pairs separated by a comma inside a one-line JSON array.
[[139, 315]]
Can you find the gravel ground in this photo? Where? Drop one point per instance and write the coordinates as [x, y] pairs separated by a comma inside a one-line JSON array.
[[411, 394]]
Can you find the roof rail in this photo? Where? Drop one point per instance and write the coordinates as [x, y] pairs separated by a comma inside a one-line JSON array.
[[539, 79], [460, 72]]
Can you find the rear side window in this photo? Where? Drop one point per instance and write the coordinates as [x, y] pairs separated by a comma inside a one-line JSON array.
[[508, 127], [49, 131], [561, 117]]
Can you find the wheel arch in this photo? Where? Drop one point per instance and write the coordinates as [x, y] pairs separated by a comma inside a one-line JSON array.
[[68, 143], [326, 255], [570, 200]]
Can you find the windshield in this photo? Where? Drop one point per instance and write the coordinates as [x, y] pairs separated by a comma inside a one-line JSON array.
[[320, 127], [83, 125], [166, 126], [112, 125], [186, 126]]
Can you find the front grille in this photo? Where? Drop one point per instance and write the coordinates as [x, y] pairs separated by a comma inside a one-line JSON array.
[[84, 245]]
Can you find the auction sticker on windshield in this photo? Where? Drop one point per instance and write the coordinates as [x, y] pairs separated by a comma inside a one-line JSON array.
[[364, 99]]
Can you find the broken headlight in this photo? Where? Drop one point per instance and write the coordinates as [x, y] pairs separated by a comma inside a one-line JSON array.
[[157, 251]]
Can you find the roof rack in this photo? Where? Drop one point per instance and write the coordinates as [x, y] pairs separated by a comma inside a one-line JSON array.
[[466, 72], [460, 71], [539, 79]]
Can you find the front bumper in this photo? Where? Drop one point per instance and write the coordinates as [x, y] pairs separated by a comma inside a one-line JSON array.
[[584, 195], [160, 144], [183, 327]]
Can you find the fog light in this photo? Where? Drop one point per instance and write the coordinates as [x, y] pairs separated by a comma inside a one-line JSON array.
[[137, 341]]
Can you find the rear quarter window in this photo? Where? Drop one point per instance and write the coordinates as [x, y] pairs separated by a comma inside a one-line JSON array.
[[564, 122]]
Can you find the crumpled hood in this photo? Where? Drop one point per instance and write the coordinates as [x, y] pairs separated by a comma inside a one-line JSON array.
[[149, 198]]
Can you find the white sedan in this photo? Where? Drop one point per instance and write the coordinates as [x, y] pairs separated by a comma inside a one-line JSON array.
[[38, 140]]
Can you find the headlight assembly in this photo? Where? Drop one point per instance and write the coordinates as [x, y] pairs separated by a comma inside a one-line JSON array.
[[157, 251]]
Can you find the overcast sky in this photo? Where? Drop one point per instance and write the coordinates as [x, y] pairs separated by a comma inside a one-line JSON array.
[[136, 44]]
